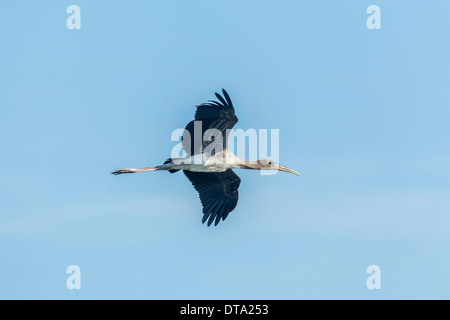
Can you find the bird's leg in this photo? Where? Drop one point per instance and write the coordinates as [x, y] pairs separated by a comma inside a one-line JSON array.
[[134, 170]]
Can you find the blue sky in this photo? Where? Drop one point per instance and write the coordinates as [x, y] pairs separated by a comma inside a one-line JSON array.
[[363, 115]]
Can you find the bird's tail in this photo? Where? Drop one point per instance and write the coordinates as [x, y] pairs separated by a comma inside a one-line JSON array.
[[169, 162]]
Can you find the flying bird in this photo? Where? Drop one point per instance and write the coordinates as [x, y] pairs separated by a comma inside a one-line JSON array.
[[211, 172]]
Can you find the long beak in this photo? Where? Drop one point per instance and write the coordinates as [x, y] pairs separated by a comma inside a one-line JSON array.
[[286, 169]]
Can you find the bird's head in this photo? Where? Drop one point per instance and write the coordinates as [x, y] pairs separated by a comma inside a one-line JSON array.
[[272, 165]]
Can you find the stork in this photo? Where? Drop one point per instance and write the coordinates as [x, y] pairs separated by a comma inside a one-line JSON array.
[[211, 173]]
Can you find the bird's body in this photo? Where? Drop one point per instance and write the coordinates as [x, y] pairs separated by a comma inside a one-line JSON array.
[[210, 169], [218, 162]]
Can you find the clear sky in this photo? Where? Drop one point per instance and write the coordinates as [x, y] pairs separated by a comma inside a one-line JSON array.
[[363, 116]]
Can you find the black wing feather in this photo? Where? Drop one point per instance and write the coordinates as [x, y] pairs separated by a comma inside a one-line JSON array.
[[222, 100], [213, 115], [218, 193], [227, 97]]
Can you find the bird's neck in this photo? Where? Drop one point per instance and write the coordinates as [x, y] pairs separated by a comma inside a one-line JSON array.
[[245, 164], [235, 162]]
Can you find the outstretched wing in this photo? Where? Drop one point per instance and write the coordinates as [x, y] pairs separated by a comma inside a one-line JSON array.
[[218, 193], [213, 115]]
